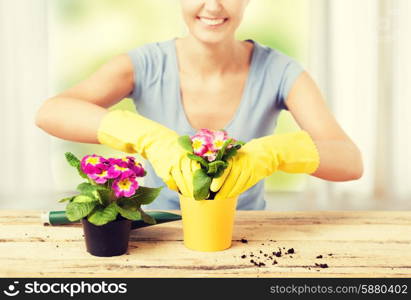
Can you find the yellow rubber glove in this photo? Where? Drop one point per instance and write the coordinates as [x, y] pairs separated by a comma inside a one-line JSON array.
[[132, 133], [289, 152]]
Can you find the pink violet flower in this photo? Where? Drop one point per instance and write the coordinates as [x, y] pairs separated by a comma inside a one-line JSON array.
[[91, 164], [119, 170], [136, 166], [122, 162], [206, 132], [125, 187], [119, 166], [100, 178], [219, 138], [138, 169], [210, 155], [200, 144], [123, 171], [206, 143]]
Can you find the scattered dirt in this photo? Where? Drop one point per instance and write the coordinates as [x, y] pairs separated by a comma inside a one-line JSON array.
[[269, 257]]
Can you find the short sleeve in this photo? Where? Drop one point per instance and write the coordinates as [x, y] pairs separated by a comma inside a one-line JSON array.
[[146, 62], [292, 69], [139, 61]]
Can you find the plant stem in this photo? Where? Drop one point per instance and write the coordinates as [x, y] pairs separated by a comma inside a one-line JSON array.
[[112, 196]]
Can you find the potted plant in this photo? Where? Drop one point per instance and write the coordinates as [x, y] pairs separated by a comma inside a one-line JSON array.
[[108, 201], [208, 223]]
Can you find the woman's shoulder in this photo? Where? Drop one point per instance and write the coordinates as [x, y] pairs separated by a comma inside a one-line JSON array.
[[151, 59], [152, 49], [272, 56], [276, 66], [149, 62]]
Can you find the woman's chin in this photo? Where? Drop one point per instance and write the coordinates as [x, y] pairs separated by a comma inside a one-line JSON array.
[[210, 38]]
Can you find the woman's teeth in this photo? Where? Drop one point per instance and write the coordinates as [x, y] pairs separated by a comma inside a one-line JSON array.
[[212, 22]]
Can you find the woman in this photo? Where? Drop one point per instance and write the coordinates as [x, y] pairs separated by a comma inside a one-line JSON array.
[[207, 79]]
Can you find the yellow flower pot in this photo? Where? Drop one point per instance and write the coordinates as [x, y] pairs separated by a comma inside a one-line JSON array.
[[208, 224]]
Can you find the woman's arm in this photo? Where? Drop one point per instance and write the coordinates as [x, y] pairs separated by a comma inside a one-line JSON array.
[[340, 158], [75, 114]]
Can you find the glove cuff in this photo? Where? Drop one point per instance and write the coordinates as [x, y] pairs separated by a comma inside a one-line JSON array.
[[296, 152], [132, 133]]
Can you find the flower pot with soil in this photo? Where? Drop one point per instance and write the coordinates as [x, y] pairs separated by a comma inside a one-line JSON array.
[[109, 201], [208, 223]]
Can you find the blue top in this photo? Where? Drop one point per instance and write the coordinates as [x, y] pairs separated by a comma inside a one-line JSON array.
[[157, 96]]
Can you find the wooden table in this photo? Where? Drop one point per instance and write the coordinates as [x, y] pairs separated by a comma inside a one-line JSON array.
[[352, 244]]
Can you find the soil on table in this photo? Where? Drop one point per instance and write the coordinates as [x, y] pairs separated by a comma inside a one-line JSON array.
[[261, 259]]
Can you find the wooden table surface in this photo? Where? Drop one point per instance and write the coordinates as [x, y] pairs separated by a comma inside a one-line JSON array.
[[352, 244]]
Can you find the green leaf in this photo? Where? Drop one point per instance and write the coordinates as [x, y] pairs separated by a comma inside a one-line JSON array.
[[185, 143], [201, 160], [201, 184], [128, 213], [102, 215], [147, 218], [84, 199], [223, 148], [76, 211], [215, 165], [75, 162], [237, 145], [86, 187], [220, 171], [94, 191], [66, 199], [128, 203], [104, 196], [230, 153], [145, 195], [72, 159]]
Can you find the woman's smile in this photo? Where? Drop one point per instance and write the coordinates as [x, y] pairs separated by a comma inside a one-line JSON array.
[[212, 22]]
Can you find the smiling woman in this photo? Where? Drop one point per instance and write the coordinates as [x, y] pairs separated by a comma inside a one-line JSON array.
[[212, 21], [207, 79], [105, 28], [74, 38]]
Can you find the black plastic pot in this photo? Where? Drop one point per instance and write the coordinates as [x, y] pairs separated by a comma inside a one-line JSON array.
[[110, 239]]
